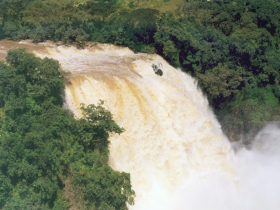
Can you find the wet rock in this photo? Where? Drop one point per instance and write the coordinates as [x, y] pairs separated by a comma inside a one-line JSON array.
[[157, 70]]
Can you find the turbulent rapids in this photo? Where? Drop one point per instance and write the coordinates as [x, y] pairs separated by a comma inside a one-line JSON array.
[[173, 146]]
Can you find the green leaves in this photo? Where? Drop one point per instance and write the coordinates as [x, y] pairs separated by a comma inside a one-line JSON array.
[[100, 118], [43, 79], [248, 111], [42, 145], [221, 81]]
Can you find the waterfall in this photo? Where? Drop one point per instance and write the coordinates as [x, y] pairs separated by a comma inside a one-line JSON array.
[[172, 146]]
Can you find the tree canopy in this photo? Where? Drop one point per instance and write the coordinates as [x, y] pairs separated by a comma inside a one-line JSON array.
[[42, 145], [231, 47]]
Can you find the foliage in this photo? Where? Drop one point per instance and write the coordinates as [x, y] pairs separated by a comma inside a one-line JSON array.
[[258, 104], [229, 46], [42, 145], [249, 111]]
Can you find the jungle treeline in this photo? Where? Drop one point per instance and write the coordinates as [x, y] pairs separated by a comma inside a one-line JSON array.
[[49, 159], [230, 46]]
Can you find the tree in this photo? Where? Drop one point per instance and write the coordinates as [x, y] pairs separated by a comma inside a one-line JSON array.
[[42, 145], [102, 8]]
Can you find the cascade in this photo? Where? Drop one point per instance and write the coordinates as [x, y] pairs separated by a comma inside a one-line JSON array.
[[172, 146]]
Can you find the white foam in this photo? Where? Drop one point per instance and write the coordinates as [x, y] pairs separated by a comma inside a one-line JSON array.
[[173, 146]]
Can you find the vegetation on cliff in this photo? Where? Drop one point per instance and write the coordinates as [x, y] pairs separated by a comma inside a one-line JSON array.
[[43, 147], [230, 46]]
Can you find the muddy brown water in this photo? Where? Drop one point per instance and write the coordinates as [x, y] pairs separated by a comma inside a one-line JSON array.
[[6, 45]]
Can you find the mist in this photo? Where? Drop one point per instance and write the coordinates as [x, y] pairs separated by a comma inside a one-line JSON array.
[[173, 146], [256, 185]]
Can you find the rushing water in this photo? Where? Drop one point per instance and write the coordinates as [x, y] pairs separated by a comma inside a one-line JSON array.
[[173, 146]]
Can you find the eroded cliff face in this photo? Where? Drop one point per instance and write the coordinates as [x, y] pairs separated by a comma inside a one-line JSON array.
[[238, 130]]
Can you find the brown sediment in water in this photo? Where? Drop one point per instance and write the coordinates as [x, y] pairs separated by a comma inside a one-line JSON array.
[[6, 45], [169, 137]]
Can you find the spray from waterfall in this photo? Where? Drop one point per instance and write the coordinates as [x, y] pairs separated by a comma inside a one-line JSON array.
[[173, 146]]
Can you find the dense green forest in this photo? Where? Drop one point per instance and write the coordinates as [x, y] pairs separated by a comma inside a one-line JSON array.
[[44, 149], [230, 46]]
